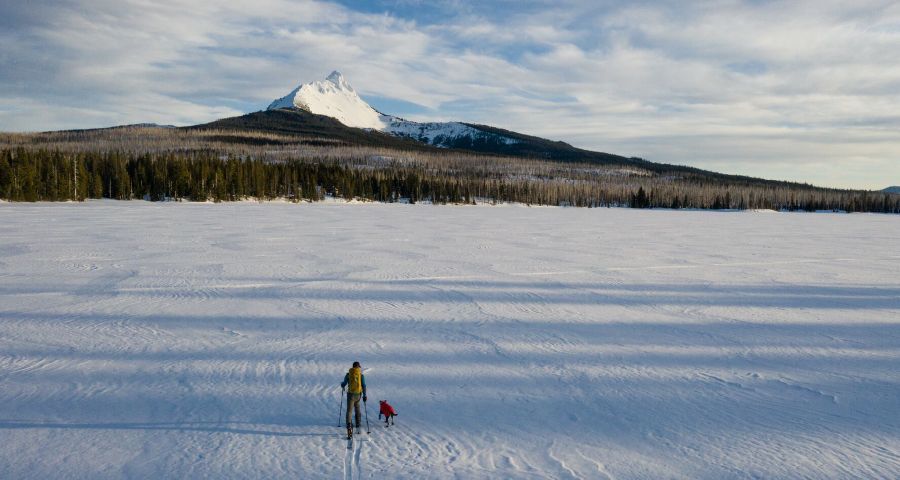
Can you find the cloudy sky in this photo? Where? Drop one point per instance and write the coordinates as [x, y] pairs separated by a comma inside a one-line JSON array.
[[797, 90]]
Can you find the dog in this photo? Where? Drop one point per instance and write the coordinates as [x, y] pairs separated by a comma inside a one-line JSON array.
[[388, 411]]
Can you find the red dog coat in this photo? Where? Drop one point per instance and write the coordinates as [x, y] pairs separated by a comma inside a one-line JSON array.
[[387, 409]]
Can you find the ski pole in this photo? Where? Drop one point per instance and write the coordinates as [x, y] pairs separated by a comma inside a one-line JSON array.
[[366, 408], [341, 408]]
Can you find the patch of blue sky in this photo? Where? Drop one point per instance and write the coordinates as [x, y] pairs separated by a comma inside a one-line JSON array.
[[428, 12]]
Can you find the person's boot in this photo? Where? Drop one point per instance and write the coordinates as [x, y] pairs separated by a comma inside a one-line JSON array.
[[349, 431]]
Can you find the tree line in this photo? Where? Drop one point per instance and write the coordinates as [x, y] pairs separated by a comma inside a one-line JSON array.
[[28, 174]]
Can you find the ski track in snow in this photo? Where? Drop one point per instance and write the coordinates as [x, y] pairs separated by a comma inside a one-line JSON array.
[[143, 340]]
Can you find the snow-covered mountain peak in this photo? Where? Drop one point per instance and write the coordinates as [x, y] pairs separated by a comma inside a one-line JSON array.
[[333, 97], [339, 81]]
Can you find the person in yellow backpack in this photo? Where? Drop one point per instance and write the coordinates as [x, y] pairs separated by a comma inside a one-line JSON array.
[[355, 382]]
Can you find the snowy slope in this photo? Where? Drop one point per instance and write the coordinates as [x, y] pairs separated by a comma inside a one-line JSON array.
[[336, 98], [151, 340], [441, 134], [333, 97]]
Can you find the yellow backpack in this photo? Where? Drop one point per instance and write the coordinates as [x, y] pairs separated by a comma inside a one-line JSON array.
[[354, 376]]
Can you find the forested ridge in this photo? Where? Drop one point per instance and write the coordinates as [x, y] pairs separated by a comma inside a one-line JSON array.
[[227, 165]]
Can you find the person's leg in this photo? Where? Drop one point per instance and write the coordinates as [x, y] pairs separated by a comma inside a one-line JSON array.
[[347, 414], [356, 407], [352, 399]]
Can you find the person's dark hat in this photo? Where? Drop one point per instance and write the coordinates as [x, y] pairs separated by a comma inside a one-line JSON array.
[[355, 364]]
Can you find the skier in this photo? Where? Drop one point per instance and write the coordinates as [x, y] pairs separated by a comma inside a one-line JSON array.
[[355, 382]]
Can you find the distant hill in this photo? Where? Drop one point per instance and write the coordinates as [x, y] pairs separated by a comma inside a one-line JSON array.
[[332, 108], [294, 121], [892, 189]]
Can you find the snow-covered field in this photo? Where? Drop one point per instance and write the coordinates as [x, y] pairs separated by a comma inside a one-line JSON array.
[[143, 340]]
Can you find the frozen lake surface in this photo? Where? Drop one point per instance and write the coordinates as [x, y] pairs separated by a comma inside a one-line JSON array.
[[143, 340]]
